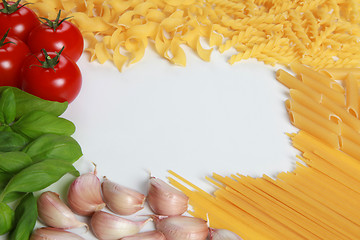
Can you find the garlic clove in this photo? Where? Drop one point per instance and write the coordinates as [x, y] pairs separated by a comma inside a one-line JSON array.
[[152, 235], [84, 195], [120, 199], [107, 226], [182, 227], [164, 199], [223, 234], [54, 213], [47, 233]]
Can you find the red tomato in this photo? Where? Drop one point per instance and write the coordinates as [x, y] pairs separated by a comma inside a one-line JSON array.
[[62, 83], [53, 35], [20, 19], [13, 51]]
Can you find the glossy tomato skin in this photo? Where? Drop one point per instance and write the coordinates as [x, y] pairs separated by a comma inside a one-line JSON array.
[[63, 83], [12, 56], [66, 35], [20, 22]]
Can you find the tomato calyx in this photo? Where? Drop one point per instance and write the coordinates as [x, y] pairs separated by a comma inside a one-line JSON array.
[[55, 23], [11, 8], [49, 62], [2, 40]]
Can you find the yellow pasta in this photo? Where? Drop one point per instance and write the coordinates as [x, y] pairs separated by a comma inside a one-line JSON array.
[[315, 106], [352, 95], [292, 82], [301, 69], [341, 73], [335, 96], [319, 198], [316, 129], [321, 34], [344, 115], [297, 107], [349, 133]]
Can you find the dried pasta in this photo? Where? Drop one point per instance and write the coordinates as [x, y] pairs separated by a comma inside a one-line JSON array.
[[321, 34], [319, 198]]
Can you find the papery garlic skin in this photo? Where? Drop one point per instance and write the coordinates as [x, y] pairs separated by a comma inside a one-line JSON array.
[[54, 212], [223, 234], [182, 228], [107, 226], [84, 195], [166, 200], [53, 234], [121, 200], [152, 235]]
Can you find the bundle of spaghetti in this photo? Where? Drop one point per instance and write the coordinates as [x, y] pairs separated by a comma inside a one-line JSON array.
[[319, 198], [321, 34]]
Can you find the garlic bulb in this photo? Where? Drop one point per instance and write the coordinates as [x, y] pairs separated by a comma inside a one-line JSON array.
[[84, 196], [107, 226], [120, 199], [152, 235], [54, 213], [182, 228], [164, 199], [223, 234], [53, 234]]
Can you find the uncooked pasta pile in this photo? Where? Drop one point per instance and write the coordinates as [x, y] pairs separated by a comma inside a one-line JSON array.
[[317, 33], [319, 199]]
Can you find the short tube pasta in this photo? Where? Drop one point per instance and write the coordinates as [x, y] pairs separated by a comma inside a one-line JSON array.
[[352, 95], [334, 95], [300, 69], [316, 129]]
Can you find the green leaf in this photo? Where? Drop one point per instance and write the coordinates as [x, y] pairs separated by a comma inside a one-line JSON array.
[[25, 218], [10, 141], [37, 123], [4, 179], [26, 103], [7, 106], [38, 176], [7, 216], [13, 162], [13, 196], [54, 146]]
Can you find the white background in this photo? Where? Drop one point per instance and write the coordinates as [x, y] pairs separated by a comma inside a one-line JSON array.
[[194, 120]]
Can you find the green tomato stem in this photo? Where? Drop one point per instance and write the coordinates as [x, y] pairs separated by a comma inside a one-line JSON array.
[[2, 41], [54, 24]]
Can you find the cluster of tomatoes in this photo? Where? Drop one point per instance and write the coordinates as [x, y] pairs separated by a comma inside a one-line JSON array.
[[39, 55]]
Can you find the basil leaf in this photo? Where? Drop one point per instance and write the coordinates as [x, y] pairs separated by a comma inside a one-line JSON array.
[[7, 217], [4, 179], [26, 103], [10, 141], [25, 218], [38, 176], [13, 162], [7, 106], [37, 123], [54, 146], [13, 196]]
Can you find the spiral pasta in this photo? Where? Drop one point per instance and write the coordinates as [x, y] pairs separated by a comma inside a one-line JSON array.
[[319, 33]]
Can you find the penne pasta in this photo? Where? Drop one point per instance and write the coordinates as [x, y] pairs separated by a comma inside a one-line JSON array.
[[315, 106], [344, 115], [316, 129], [352, 95], [293, 83], [300, 69], [341, 73], [294, 106], [335, 96]]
